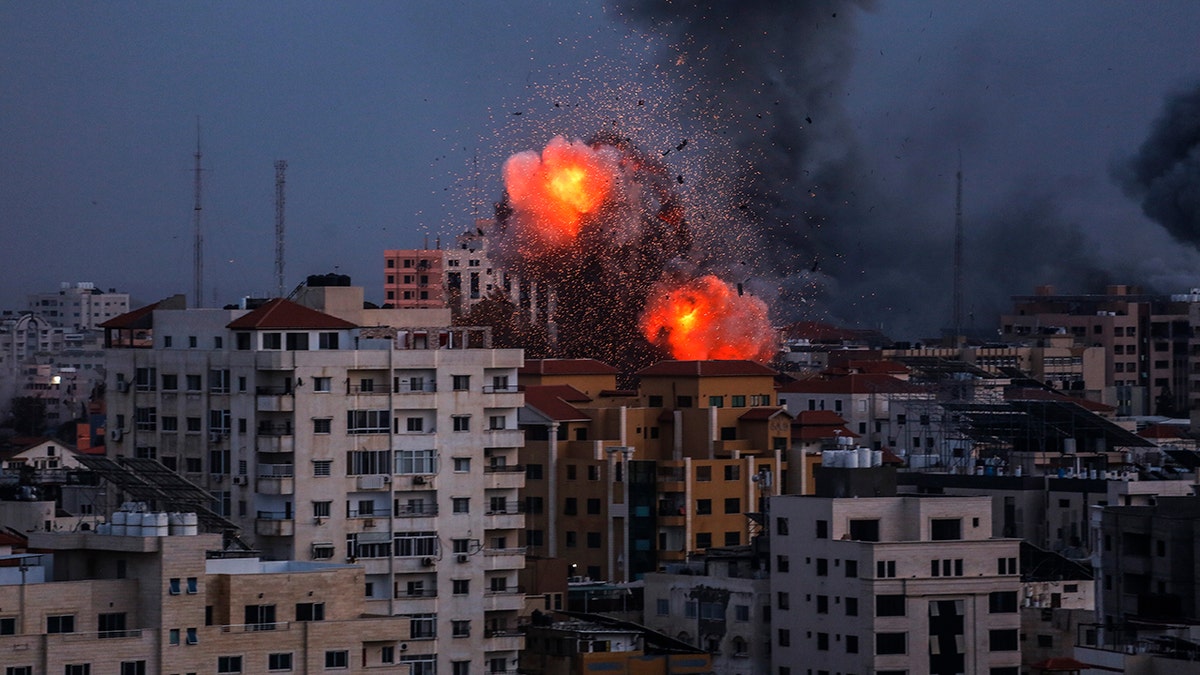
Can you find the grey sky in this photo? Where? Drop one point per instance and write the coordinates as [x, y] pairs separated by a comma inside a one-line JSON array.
[[384, 111]]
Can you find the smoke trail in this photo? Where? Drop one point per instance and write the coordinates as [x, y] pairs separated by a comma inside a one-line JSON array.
[[1165, 173]]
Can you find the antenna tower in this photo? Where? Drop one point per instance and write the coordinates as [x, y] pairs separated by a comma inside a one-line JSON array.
[[198, 240], [280, 170], [958, 252]]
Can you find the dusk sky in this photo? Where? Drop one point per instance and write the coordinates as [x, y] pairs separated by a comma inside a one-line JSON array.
[[395, 119]]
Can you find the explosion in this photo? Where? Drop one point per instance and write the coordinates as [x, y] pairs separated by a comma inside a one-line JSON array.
[[553, 193], [704, 318]]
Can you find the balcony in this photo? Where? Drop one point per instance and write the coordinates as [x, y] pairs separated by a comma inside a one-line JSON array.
[[274, 524], [505, 558], [504, 641], [255, 627], [504, 438], [509, 476], [504, 396], [274, 399], [506, 600], [366, 389], [266, 443], [374, 482], [418, 510]]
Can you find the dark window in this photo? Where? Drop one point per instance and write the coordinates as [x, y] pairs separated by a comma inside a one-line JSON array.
[[703, 539], [733, 505], [1003, 640], [851, 569], [781, 526], [864, 530], [891, 643], [310, 611], [851, 606], [823, 642], [944, 529], [703, 507], [822, 567], [281, 661], [337, 659], [62, 623], [1002, 602], [822, 529], [889, 605]]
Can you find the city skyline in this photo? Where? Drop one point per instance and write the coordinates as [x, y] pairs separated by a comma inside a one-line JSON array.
[[393, 140]]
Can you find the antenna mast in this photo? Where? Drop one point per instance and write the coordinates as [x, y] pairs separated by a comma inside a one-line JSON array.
[[958, 252], [280, 170], [198, 242]]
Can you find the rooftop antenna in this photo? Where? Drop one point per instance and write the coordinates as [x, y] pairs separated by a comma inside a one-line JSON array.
[[958, 252], [198, 240], [280, 170]]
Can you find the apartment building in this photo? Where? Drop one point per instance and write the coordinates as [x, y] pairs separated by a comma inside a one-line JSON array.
[[890, 584], [326, 439], [79, 307], [620, 482], [84, 602], [883, 410]]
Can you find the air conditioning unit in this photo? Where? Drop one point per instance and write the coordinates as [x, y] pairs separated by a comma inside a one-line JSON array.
[[123, 386], [371, 482], [116, 435], [427, 562], [403, 646], [387, 480], [241, 480], [462, 557], [418, 480]]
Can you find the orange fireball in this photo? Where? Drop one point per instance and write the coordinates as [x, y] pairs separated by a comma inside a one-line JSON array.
[[554, 192], [705, 318]]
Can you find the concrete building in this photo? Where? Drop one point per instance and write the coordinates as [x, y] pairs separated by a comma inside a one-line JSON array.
[[720, 602], [96, 603], [592, 643], [892, 583], [620, 482], [394, 447], [79, 307]]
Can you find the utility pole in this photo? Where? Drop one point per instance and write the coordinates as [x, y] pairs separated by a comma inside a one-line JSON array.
[[280, 170], [198, 236]]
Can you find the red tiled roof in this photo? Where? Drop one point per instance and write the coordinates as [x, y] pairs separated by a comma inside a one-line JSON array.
[[566, 367], [762, 413], [859, 383], [138, 318], [890, 457], [280, 314], [819, 417], [1032, 394], [706, 369], [819, 432], [552, 401], [13, 539], [1162, 431]]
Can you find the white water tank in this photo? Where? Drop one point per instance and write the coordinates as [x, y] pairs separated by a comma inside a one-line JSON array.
[[850, 459], [864, 457], [155, 524], [191, 524], [118, 523], [174, 523]]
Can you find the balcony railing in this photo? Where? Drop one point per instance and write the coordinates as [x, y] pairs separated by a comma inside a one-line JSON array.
[[255, 627], [375, 513], [426, 388], [507, 468], [279, 390], [274, 515], [422, 510], [500, 389], [102, 634], [276, 470], [520, 550], [274, 430], [513, 507]]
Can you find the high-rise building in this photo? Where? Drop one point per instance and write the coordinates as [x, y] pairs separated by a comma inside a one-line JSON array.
[[344, 435], [78, 307]]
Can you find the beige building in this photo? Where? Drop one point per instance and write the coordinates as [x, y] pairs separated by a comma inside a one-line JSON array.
[[79, 307], [93, 603], [326, 439], [864, 584]]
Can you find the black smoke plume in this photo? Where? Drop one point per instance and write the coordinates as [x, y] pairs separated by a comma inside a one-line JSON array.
[[1164, 175]]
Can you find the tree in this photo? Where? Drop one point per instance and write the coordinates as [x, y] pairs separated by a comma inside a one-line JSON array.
[[29, 415]]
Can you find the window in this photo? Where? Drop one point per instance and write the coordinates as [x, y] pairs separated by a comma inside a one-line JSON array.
[[703, 473], [461, 504], [851, 644], [192, 586], [851, 606], [327, 341], [864, 530], [823, 529], [945, 529], [173, 636], [229, 664], [733, 472], [1002, 602], [461, 586], [783, 600], [703, 507], [741, 612], [460, 628], [593, 540], [851, 569], [279, 661], [716, 401], [461, 422], [535, 538], [891, 643], [60, 623], [785, 637], [1006, 566], [822, 567], [322, 426], [1003, 640], [368, 462], [78, 669], [460, 382], [733, 538], [322, 467], [111, 625], [593, 506], [323, 384], [703, 539], [733, 505], [18, 670], [683, 401], [822, 604], [781, 526], [422, 626], [368, 421], [310, 611], [460, 668], [533, 471], [462, 464], [133, 668], [889, 605], [1045, 641], [8, 625], [885, 568], [145, 419], [193, 424], [218, 381], [496, 422], [260, 617], [823, 642], [174, 586], [337, 658], [170, 423], [416, 461]]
